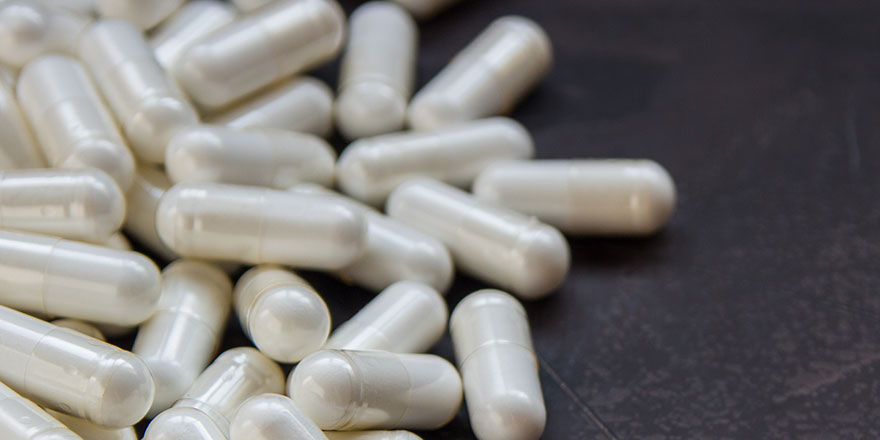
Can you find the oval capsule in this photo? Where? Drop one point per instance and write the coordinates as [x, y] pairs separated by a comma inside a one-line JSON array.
[[487, 78], [490, 242], [370, 168], [285, 37], [372, 435], [493, 346], [143, 14], [183, 424], [30, 28], [142, 200], [272, 417], [20, 149], [90, 431], [189, 24], [424, 9], [21, 419]]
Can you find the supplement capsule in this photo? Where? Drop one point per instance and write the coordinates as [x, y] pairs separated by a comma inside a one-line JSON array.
[[140, 218], [372, 435], [262, 157], [194, 305], [141, 13], [70, 120], [369, 169], [90, 431], [424, 9], [52, 276], [274, 42], [489, 242], [272, 417], [67, 371], [147, 103], [356, 390], [584, 197], [377, 71], [183, 424], [21, 419], [493, 346], [407, 317], [487, 78], [250, 5], [80, 326], [257, 225], [20, 150], [30, 28], [281, 313], [194, 20]]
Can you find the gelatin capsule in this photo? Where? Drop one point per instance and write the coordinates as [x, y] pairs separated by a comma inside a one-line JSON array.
[[141, 13], [142, 200], [424, 9], [20, 150], [21, 419], [371, 435], [81, 327], [30, 28], [272, 417], [90, 431], [189, 24]]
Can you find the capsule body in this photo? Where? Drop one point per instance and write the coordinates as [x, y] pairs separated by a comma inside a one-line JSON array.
[[490, 242], [90, 431], [191, 22], [284, 38], [423, 9], [493, 347], [143, 14], [80, 326], [20, 150], [257, 225], [369, 169], [487, 78], [142, 199], [372, 435], [181, 338], [261, 157], [70, 120], [30, 28], [272, 417], [21, 419]]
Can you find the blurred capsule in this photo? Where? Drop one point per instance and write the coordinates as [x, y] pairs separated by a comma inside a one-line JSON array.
[[29, 29], [141, 13], [21, 419], [424, 9], [372, 435], [189, 24], [20, 150], [272, 417]]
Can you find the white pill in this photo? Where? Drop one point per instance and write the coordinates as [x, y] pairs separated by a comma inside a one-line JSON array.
[[394, 252], [21, 419], [118, 241], [303, 104], [189, 24], [272, 417], [489, 242], [141, 13], [372, 435], [584, 197], [142, 200], [370, 168], [258, 225], [90, 431], [76, 280], [250, 5], [262, 157], [284, 38], [71, 372], [147, 103], [407, 317], [487, 78], [80, 326], [377, 71], [31, 28], [70, 120], [84, 205], [20, 150], [493, 346], [195, 303], [423, 9]]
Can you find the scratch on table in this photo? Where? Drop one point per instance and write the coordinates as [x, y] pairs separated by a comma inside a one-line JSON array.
[[852, 138], [835, 376], [586, 411]]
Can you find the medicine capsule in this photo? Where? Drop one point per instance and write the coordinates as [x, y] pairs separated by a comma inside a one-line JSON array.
[[21, 419], [194, 20], [80, 326], [140, 218], [143, 14], [423, 9], [147, 103], [370, 168], [90, 431], [183, 424], [272, 417], [584, 197], [372, 435], [263, 157], [250, 5], [31, 28], [194, 305], [489, 242], [70, 120], [407, 317], [76, 280], [281, 313], [257, 225], [356, 390], [20, 150], [284, 38], [377, 71], [67, 371], [487, 78], [493, 346]]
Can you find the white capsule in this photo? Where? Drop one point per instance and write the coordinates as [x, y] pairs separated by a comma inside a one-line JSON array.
[[377, 71], [370, 168], [142, 200], [189, 24], [250, 5], [71, 372], [70, 120], [143, 14], [76, 280], [281, 313], [284, 38], [118, 241], [493, 346], [193, 308], [183, 424], [272, 417], [356, 390], [303, 104], [423, 9], [20, 150], [31, 28], [80, 326], [257, 225], [90, 431], [487, 78], [262, 157], [487, 241], [147, 103], [21, 419], [372, 435]]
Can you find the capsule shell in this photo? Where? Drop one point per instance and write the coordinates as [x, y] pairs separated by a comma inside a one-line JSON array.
[[372, 435], [250, 5], [81, 327], [189, 24], [118, 241], [29, 29], [142, 200], [487, 78], [424, 9], [183, 424], [21, 419], [20, 150], [369, 169], [143, 14], [90, 431], [272, 417]]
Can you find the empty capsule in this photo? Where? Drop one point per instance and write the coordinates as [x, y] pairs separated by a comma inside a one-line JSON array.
[[80, 326], [31, 28], [190, 23], [264, 157], [487, 78], [21, 419], [377, 71], [70, 120], [20, 150], [250, 5], [356, 390], [425, 8], [90, 431], [272, 417], [281, 313], [372, 435], [490, 242], [369, 169], [493, 346], [143, 14], [284, 38], [142, 200]]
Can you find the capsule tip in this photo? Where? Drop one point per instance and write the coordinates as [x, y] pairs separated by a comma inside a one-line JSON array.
[[128, 392], [510, 416], [370, 109], [322, 386]]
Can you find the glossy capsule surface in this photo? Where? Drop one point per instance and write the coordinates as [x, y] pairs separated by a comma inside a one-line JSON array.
[[80, 326], [90, 431], [371, 435], [20, 149], [143, 14], [272, 417], [490, 242], [487, 78], [142, 199], [118, 241], [191, 22], [423, 9], [30, 28], [21, 419]]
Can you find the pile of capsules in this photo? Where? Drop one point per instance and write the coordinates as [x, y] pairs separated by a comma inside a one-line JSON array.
[[185, 125]]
